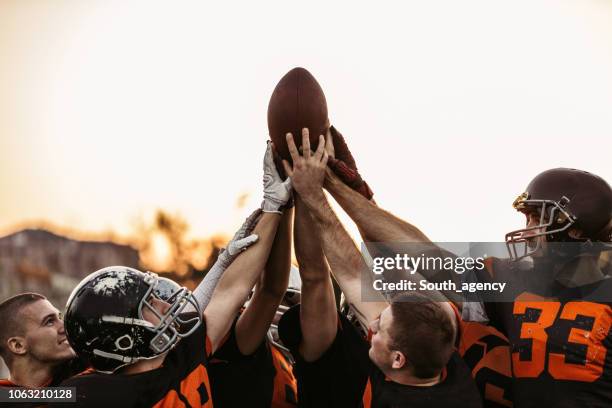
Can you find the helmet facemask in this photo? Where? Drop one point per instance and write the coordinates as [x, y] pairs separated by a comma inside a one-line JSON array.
[[554, 219], [174, 324]]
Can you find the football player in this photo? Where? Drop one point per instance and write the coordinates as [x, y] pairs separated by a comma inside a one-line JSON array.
[[559, 327], [559, 324], [33, 343], [32, 327], [410, 358], [484, 349], [144, 349]]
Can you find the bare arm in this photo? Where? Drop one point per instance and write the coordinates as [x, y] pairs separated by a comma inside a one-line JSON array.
[[240, 242], [375, 224], [384, 234], [344, 258], [240, 277], [318, 315], [238, 280], [254, 322]]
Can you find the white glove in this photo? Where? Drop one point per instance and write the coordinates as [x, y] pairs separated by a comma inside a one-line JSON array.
[[242, 239], [276, 191], [240, 242]]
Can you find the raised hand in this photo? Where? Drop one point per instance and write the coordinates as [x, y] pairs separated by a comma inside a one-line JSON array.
[[308, 171], [276, 191], [343, 164]]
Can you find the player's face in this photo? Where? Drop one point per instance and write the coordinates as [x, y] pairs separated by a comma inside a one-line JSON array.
[[380, 352], [160, 307], [532, 220], [44, 333]]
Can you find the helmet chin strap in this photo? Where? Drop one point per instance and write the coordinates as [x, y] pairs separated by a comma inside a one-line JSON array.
[[113, 356], [162, 342]]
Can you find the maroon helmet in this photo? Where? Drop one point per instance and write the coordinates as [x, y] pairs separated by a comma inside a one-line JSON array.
[[564, 199]]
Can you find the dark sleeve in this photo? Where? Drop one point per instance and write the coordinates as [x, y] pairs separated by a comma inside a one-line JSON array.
[[229, 350], [478, 308], [458, 386], [239, 380], [497, 270], [190, 351], [339, 377], [95, 391]]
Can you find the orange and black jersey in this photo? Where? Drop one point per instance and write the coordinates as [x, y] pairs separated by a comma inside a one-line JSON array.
[[262, 379], [346, 377], [181, 381], [560, 343], [487, 352]]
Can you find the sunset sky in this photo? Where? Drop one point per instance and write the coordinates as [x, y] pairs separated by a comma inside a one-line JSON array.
[[112, 109]]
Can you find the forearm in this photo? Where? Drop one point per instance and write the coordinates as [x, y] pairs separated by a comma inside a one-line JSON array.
[[308, 249], [374, 223], [275, 276], [318, 315], [342, 254], [253, 324], [386, 235], [344, 258], [238, 280], [204, 291], [241, 240]]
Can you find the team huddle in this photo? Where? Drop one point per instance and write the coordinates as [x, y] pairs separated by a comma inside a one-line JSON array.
[[259, 332]]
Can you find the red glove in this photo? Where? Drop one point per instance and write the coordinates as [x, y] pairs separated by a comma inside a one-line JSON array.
[[344, 166]]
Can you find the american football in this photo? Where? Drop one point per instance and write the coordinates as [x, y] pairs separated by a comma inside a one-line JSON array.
[[209, 265], [297, 102]]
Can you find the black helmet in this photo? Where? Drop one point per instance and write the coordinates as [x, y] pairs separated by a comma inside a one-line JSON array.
[[564, 199], [104, 317]]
